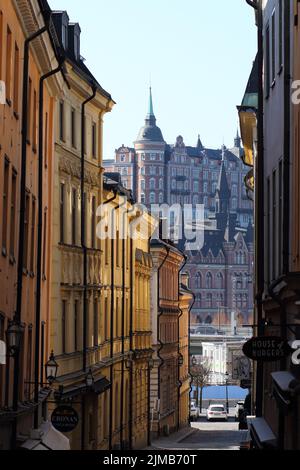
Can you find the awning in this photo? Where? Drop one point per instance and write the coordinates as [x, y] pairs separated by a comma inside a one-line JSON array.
[[261, 433], [50, 439]]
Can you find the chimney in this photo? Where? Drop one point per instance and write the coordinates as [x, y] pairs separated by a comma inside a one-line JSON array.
[[61, 23]]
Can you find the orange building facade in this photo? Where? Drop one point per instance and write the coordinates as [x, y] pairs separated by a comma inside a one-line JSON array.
[[19, 20]]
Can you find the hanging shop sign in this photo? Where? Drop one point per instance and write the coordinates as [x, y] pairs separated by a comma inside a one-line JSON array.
[[266, 349], [64, 419]]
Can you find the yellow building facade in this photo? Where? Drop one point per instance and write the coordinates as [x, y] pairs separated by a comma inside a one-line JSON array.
[[76, 304]]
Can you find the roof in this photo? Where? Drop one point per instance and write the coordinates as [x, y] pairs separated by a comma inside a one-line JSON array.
[[80, 67], [150, 132]]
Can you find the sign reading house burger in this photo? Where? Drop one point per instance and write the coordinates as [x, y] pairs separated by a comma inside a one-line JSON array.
[[266, 349], [64, 419]]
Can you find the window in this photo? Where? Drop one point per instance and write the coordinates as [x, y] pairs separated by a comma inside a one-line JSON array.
[[280, 218], [46, 140], [8, 64], [143, 198], [152, 170], [32, 249], [29, 363], [5, 206], [16, 79], [152, 183], [74, 216], [94, 140], [275, 227], [96, 342], [196, 186], [280, 34], [273, 49], [152, 157], [45, 244], [220, 281], [26, 231], [118, 249], [76, 318], [161, 184], [152, 198], [93, 222], [205, 188], [13, 214], [161, 198], [209, 280], [123, 158], [209, 299], [143, 186], [267, 59], [62, 213], [61, 121], [198, 281], [29, 109], [73, 128], [34, 140], [63, 326], [106, 314]]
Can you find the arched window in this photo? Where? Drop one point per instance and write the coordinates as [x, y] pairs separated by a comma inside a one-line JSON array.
[[152, 198], [209, 281], [152, 183], [209, 299], [199, 300], [198, 281], [220, 281]]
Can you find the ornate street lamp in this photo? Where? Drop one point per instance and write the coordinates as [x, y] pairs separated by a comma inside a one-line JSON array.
[[14, 334], [194, 361], [51, 368], [89, 380], [129, 361]]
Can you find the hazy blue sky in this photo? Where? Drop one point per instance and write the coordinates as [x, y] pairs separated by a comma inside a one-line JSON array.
[[199, 54]]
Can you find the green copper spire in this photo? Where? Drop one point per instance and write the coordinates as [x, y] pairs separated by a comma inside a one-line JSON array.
[[150, 112]]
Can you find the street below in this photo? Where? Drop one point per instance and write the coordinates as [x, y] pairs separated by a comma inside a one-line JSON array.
[[203, 435]]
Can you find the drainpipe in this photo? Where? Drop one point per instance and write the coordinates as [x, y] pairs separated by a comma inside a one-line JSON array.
[[40, 240], [161, 344], [18, 313], [84, 248], [189, 363], [180, 316]]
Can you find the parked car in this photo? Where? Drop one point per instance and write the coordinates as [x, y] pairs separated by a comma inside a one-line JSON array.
[[216, 412], [239, 408], [194, 412]]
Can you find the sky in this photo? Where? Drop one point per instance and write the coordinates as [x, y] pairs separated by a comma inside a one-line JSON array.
[[197, 55]]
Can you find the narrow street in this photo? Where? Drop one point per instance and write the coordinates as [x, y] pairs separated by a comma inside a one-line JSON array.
[[205, 435]]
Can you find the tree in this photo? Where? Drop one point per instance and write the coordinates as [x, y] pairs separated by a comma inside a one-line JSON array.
[[200, 373]]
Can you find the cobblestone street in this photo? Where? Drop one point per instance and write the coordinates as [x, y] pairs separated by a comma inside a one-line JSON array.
[[204, 435]]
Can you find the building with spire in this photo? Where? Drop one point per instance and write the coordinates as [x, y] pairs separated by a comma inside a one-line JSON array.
[[158, 172]]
